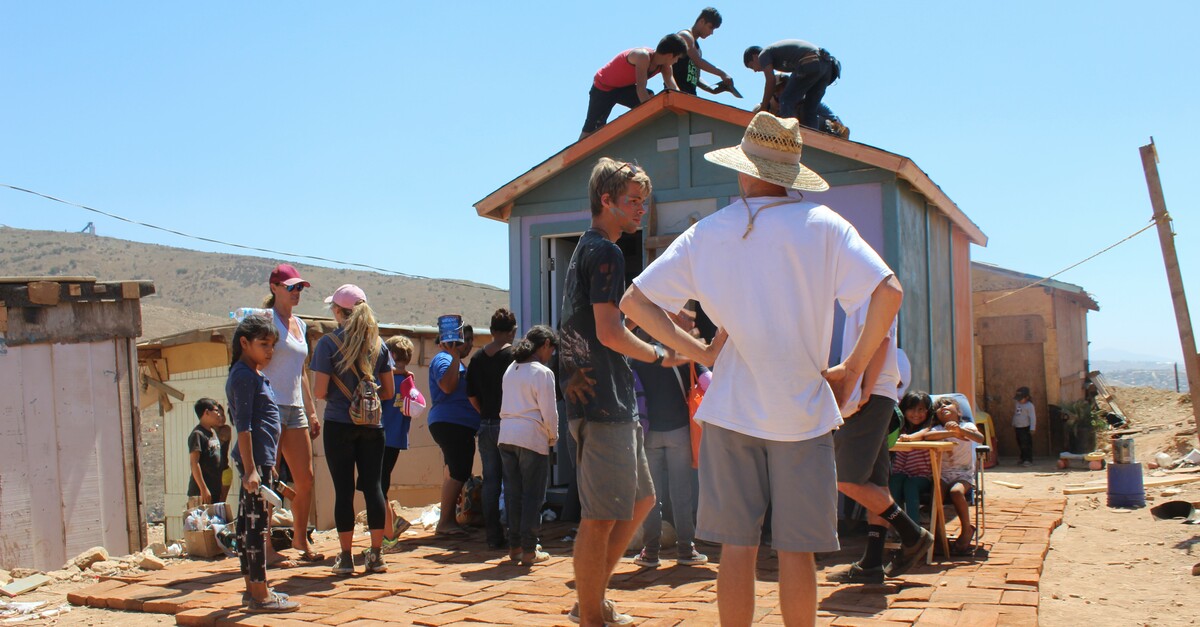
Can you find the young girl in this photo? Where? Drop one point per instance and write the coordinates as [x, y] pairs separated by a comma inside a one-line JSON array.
[[341, 360], [254, 413], [397, 420], [958, 468], [528, 428], [911, 472]]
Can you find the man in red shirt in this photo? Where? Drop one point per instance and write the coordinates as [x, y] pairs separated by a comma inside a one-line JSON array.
[[623, 80]]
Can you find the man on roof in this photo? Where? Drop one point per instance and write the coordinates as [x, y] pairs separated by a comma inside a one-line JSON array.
[[811, 71], [623, 79], [687, 70]]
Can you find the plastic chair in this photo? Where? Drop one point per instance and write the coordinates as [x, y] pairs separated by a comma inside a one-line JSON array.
[[981, 453], [980, 418]]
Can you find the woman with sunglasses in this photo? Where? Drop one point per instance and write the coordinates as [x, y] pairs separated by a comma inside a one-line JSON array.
[[293, 394]]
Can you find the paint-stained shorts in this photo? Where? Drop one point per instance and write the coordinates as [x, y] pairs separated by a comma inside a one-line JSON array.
[[612, 471], [861, 444], [740, 475]]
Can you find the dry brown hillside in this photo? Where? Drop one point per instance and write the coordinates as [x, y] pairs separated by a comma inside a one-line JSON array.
[[197, 289]]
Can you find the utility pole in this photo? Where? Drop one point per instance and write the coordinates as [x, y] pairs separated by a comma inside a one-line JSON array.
[[1166, 238]]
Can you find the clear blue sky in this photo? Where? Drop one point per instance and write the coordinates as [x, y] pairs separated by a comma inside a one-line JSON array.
[[366, 131]]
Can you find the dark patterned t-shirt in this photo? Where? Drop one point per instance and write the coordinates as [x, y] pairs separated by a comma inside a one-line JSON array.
[[596, 381]]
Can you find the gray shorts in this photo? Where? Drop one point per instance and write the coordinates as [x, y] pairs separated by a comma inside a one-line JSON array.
[[292, 417], [612, 471], [861, 444], [740, 475]]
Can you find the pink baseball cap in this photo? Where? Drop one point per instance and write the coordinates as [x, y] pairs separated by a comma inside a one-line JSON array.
[[285, 274], [347, 296]]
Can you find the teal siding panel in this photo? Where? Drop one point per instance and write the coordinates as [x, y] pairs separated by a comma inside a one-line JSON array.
[[913, 272], [640, 144], [941, 320]]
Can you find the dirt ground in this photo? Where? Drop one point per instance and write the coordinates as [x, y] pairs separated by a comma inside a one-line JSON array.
[[1110, 566], [1106, 566]]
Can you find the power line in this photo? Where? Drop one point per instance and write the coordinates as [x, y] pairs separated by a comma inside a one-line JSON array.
[[252, 248], [1074, 265]]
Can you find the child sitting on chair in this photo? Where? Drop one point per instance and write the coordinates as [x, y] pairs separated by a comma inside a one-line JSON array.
[[958, 467]]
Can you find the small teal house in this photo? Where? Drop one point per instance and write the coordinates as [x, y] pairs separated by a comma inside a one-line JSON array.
[[915, 227]]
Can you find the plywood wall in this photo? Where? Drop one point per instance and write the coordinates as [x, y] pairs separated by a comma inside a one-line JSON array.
[[63, 452]]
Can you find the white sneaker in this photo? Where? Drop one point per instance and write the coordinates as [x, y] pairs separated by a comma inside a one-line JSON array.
[[695, 558], [646, 559]]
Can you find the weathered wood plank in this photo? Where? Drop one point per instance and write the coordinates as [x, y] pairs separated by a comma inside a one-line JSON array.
[[47, 548], [75, 431], [15, 511]]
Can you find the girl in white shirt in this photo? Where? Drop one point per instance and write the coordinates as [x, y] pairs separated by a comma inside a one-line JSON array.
[[528, 428]]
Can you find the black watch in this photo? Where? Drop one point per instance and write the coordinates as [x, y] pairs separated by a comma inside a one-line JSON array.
[[660, 354]]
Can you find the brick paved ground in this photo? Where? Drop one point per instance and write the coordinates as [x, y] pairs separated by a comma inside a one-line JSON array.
[[441, 583]]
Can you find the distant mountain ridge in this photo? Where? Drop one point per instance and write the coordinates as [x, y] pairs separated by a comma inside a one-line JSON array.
[[207, 286]]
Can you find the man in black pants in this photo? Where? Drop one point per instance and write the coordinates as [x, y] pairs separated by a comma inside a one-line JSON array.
[[812, 70], [623, 79]]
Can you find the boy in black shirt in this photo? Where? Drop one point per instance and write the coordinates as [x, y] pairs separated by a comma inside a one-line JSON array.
[[204, 447]]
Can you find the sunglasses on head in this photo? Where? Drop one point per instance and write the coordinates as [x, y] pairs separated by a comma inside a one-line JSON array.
[[633, 171]]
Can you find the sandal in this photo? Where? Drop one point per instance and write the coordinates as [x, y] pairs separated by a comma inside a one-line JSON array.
[[309, 557], [456, 532]]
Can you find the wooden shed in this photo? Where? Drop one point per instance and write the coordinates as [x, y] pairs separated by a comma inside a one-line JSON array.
[[1034, 337], [68, 419], [917, 229], [179, 369]]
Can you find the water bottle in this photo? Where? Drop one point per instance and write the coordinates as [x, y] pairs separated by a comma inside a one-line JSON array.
[[240, 313]]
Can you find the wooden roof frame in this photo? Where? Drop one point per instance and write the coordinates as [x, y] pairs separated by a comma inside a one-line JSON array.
[[498, 205], [1075, 293]]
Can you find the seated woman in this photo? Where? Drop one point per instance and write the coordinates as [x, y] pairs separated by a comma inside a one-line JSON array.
[[912, 474], [958, 468]]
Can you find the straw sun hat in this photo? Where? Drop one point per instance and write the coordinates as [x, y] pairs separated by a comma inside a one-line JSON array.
[[770, 151]]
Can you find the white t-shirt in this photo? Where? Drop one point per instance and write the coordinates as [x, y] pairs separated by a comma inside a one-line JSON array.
[[889, 378], [774, 293], [958, 464], [528, 408], [287, 364]]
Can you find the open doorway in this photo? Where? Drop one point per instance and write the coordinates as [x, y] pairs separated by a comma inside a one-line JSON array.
[[557, 252]]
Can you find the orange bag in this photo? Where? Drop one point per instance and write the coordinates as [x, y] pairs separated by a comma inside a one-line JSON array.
[[694, 396]]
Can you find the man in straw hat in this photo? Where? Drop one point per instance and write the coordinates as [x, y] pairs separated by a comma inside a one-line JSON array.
[[615, 488], [772, 266]]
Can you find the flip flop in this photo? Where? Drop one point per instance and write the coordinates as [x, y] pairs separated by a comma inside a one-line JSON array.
[[283, 563], [457, 532]]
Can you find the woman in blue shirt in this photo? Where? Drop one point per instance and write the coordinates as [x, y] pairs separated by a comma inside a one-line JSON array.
[[453, 421], [341, 360]]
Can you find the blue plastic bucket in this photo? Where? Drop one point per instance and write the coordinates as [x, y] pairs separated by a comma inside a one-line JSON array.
[[1125, 487], [450, 328]]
